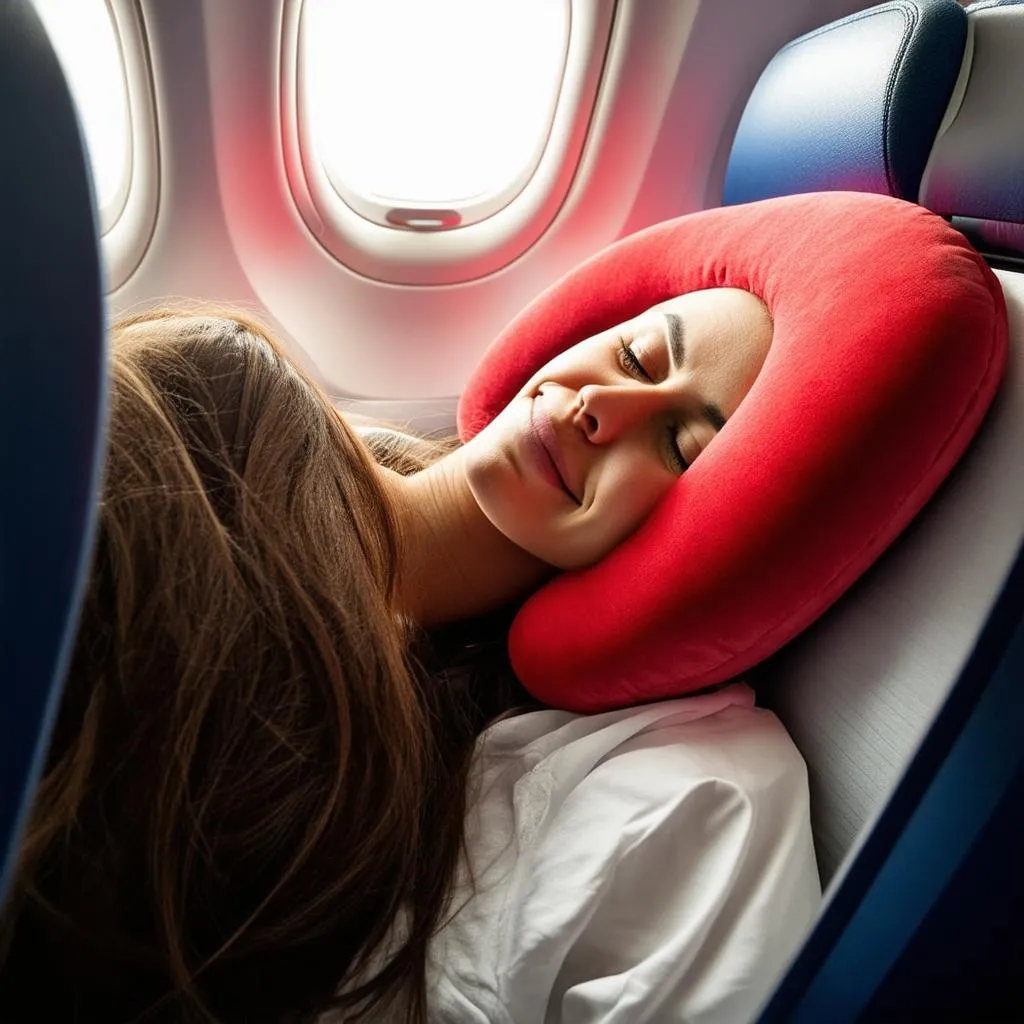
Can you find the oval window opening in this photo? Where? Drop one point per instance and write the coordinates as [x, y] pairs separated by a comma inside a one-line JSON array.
[[85, 39], [421, 109]]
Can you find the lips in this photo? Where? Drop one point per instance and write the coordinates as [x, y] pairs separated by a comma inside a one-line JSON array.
[[546, 433]]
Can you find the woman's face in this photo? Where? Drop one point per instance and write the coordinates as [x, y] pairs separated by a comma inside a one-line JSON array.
[[596, 437]]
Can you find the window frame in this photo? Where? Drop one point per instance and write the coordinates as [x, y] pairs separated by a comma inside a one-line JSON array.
[[399, 254], [126, 234], [111, 213]]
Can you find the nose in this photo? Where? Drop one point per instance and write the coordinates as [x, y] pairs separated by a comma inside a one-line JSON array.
[[605, 412]]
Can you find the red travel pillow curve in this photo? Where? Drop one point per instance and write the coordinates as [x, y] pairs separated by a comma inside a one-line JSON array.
[[889, 343]]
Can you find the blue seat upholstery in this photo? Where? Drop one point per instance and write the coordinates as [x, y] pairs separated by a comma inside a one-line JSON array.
[[52, 363], [853, 105]]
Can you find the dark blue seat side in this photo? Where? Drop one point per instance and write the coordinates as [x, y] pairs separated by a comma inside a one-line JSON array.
[[52, 399], [926, 922]]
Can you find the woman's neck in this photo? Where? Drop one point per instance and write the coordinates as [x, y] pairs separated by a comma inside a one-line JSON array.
[[454, 563]]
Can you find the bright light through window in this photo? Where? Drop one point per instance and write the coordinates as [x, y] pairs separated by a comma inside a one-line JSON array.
[[84, 36], [432, 102]]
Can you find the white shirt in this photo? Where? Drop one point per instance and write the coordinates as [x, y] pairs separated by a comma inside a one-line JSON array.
[[650, 864]]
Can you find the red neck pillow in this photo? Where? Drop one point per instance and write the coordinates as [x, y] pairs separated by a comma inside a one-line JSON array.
[[889, 342]]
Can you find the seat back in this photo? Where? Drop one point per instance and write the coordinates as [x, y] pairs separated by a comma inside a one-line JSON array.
[[905, 699], [52, 362], [859, 689]]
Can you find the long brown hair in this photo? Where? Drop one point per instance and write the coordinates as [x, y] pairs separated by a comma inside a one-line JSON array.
[[249, 789]]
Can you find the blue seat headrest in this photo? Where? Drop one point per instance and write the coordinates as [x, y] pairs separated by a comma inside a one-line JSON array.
[[52, 370], [854, 105]]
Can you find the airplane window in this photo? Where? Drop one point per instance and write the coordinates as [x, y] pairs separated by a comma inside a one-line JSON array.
[[431, 116], [86, 41]]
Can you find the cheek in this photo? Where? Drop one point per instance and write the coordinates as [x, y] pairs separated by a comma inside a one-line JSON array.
[[508, 491], [627, 491]]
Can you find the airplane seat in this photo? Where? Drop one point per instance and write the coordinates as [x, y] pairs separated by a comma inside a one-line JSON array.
[[906, 698], [52, 365]]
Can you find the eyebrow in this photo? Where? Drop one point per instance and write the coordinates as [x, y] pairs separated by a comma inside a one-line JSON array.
[[677, 351]]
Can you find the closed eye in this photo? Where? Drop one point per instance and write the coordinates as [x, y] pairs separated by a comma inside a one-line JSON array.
[[675, 452], [633, 365]]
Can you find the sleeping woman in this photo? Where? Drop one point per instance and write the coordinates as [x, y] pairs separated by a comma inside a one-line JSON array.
[[255, 802], [289, 777]]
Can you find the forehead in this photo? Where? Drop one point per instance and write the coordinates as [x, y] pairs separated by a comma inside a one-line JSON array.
[[701, 303], [733, 323], [651, 318]]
